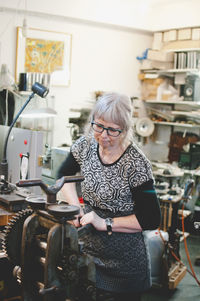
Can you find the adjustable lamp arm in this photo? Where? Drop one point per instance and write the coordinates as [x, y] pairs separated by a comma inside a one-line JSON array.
[[13, 123], [42, 92]]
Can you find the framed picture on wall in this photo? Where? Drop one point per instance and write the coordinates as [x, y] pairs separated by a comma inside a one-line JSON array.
[[44, 52]]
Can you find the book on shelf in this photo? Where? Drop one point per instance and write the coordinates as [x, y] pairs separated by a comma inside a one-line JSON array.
[[187, 60]]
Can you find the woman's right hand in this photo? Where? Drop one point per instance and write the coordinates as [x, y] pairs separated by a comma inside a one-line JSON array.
[[76, 222], [94, 219]]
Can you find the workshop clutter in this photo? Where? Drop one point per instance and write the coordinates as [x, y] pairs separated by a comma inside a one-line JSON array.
[[177, 142], [163, 54], [9, 288], [149, 86], [26, 80], [158, 60], [157, 87], [163, 60], [197, 204]]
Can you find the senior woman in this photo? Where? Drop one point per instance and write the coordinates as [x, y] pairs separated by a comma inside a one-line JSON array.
[[119, 196]]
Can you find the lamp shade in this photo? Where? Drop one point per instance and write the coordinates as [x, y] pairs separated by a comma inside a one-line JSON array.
[[40, 90], [6, 79]]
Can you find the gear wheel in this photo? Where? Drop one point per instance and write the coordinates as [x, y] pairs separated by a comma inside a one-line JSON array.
[[13, 236], [71, 273], [68, 264]]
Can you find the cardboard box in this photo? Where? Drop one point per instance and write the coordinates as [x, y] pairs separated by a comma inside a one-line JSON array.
[[184, 34], [157, 40], [146, 64], [150, 64], [184, 44], [161, 56], [196, 34], [149, 88], [172, 36], [162, 65], [166, 36]]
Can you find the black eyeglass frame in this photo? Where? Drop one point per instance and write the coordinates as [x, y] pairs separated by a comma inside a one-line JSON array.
[[107, 129]]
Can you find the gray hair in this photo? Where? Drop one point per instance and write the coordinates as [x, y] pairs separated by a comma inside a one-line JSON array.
[[115, 108]]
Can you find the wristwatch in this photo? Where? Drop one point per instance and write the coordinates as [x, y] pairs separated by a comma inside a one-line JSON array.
[[109, 222]]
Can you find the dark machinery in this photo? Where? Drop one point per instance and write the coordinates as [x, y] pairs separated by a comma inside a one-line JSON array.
[[172, 270], [47, 250]]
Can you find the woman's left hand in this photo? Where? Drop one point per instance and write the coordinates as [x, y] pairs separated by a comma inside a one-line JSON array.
[[94, 219]]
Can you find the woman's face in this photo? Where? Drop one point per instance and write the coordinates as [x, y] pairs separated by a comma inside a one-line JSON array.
[[104, 139]]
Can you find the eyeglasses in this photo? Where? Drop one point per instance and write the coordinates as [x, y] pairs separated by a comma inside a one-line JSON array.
[[110, 131]]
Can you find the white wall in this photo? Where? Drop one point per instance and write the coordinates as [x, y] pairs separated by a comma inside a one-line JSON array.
[[103, 58], [166, 14], [150, 15], [104, 43]]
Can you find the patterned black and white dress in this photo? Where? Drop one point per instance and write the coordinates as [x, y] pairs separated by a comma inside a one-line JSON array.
[[112, 190]]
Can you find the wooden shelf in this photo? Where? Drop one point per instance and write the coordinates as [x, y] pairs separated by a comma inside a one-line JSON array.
[[176, 102], [182, 50], [177, 124], [178, 70], [170, 71], [195, 115]]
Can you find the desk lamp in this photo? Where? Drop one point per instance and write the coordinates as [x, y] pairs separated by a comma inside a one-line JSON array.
[[40, 90]]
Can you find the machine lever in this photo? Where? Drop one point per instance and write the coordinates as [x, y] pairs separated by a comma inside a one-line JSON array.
[[52, 190]]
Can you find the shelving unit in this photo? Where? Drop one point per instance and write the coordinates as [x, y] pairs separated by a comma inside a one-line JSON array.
[[186, 60], [175, 117], [179, 113]]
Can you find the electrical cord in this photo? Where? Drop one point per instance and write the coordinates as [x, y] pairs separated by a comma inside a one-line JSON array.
[[6, 121], [188, 189], [173, 253], [192, 272]]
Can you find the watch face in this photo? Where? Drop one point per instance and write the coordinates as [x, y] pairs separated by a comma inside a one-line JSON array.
[[109, 223]]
